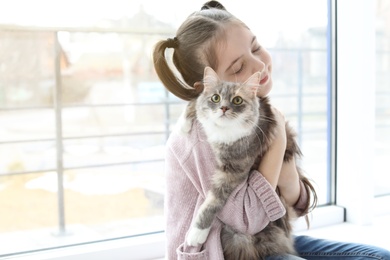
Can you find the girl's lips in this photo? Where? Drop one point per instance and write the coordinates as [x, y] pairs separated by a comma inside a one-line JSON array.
[[264, 80]]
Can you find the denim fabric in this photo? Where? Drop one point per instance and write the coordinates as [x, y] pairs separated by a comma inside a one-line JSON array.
[[318, 249], [283, 257]]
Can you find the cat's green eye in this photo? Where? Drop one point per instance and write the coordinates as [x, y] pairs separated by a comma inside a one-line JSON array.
[[216, 98], [237, 100]]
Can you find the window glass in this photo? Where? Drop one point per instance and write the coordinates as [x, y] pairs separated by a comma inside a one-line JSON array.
[[382, 124], [84, 118]]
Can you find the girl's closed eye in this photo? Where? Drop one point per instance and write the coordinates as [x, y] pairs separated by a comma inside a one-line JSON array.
[[238, 69], [256, 49]]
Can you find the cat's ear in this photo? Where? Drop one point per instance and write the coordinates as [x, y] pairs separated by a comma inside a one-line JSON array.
[[253, 82], [210, 78]]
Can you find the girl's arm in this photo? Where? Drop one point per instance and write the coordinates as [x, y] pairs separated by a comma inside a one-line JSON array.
[[288, 183], [278, 173], [272, 162]]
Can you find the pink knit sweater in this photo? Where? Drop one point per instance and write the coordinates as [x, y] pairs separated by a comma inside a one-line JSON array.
[[190, 164]]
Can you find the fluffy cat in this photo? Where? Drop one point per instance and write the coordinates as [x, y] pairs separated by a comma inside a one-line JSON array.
[[240, 128]]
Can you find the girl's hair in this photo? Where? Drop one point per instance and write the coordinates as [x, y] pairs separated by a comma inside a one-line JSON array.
[[192, 49], [311, 201]]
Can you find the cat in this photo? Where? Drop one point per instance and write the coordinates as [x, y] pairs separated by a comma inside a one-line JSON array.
[[236, 120]]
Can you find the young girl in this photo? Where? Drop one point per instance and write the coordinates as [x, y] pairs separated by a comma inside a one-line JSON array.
[[213, 37]]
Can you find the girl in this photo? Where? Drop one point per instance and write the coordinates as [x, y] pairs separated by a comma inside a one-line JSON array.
[[213, 37]]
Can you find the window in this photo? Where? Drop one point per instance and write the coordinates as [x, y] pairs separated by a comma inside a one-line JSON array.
[[84, 118], [361, 182]]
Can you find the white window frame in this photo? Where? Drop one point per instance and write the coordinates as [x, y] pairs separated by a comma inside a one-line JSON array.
[[355, 87]]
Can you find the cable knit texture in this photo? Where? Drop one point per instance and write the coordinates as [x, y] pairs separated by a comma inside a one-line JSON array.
[[190, 164]]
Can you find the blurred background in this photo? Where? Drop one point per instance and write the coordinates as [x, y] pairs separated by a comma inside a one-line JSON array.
[[84, 118]]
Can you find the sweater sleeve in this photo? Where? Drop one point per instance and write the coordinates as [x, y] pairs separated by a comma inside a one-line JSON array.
[[179, 203], [252, 205]]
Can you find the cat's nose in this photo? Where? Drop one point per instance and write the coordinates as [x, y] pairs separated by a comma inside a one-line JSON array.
[[224, 109]]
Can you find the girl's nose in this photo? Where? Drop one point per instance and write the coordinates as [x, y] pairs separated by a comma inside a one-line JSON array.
[[258, 65]]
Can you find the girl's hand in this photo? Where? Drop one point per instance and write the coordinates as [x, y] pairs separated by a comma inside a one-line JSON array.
[[271, 163]]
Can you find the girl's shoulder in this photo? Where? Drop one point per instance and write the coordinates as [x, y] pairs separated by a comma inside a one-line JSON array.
[[193, 137], [184, 143]]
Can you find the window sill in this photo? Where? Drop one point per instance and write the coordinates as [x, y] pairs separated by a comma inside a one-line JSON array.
[[141, 247], [325, 222]]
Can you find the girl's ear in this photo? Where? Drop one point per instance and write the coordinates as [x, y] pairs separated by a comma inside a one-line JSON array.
[[210, 78], [253, 82]]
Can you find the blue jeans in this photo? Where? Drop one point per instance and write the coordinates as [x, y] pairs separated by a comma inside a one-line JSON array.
[[321, 249]]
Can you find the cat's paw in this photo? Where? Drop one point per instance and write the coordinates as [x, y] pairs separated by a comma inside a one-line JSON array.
[[197, 236]]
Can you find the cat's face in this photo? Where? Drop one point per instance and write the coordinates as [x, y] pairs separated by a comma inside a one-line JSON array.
[[228, 104]]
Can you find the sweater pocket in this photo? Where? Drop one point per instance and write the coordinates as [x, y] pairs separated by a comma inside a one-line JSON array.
[[191, 253]]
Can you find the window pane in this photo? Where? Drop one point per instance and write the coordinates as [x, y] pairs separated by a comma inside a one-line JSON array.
[[115, 201], [84, 152], [104, 146], [26, 77], [21, 124], [382, 152], [27, 156], [28, 212]]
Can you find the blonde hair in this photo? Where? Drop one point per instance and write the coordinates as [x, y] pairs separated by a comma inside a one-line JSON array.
[[194, 48]]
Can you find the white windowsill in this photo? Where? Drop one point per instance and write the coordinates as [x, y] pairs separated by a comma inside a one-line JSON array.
[[140, 247], [325, 222]]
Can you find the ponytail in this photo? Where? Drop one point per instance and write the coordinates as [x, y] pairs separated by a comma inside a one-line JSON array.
[[164, 72]]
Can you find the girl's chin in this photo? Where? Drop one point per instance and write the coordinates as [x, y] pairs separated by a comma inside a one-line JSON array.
[[265, 89]]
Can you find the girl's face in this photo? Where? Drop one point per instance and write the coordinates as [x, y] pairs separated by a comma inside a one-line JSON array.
[[241, 56]]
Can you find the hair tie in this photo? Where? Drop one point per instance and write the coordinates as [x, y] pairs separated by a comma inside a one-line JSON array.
[[172, 43], [213, 4]]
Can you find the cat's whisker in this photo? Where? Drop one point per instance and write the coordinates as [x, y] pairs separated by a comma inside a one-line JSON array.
[[267, 138], [253, 124], [267, 118]]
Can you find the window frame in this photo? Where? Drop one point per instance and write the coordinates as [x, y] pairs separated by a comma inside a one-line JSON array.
[[355, 187]]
